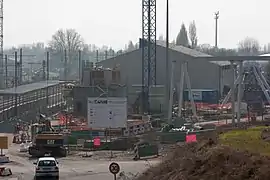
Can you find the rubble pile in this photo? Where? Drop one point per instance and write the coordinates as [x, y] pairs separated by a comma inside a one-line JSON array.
[[208, 161]]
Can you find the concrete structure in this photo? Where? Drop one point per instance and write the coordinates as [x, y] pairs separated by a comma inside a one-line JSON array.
[[98, 76], [81, 93], [203, 74]]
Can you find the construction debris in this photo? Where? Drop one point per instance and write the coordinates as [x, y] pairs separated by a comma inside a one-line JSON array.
[[208, 161]]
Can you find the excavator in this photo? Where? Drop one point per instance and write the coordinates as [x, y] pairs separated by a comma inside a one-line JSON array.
[[45, 140]]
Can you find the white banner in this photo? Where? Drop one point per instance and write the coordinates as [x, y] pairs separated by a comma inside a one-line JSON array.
[[108, 112]]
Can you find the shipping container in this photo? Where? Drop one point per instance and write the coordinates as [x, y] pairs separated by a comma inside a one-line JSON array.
[[202, 95]]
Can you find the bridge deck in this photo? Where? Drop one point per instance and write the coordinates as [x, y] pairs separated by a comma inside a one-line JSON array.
[[26, 101], [22, 89]]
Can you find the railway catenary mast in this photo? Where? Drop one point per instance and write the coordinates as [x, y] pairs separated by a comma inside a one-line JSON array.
[[1, 46], [148, 45]]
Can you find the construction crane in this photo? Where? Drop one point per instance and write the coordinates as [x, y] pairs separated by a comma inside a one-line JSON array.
[[148, 45]]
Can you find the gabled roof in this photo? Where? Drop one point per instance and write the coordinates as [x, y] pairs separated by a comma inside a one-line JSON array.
[[181, 49], [191, 52]]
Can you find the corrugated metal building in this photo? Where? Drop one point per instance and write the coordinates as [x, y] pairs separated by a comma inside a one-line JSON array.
[[203, 74]]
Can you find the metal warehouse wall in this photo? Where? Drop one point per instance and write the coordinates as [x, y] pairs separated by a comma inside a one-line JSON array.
[[203, 74]]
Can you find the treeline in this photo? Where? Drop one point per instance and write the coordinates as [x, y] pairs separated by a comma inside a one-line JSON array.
[[247, 46], [71, 41]]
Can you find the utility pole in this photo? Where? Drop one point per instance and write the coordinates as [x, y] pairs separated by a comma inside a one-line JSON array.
[[220, 70], [1, 45], [6, 70], [106, 55], [167, 96], [216, 28], [80, 66], [16, 84], [16, 70], [65, 65], [44, 70], [97, 58], [48, 65], [20, 67], [47, 77]]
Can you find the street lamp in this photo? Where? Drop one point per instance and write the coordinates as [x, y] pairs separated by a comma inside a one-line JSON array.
[[167, 97], [216, 30]]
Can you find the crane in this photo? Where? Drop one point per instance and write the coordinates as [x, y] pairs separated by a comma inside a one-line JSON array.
[[148, 45]]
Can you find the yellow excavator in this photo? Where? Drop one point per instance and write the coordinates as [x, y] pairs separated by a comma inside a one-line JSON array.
[[45, 140]]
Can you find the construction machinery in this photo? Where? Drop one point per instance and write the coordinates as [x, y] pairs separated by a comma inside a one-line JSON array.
[[46, 141]]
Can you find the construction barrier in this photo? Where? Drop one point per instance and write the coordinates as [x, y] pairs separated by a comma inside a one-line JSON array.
[[136, 153], [4, 159], [5, 171], [180, 136], [145, 150]]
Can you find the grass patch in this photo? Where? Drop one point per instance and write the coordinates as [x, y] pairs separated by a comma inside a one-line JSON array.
[[249, 139]]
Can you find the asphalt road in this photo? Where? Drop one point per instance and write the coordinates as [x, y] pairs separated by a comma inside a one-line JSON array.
[[75, 168], [80, 169]]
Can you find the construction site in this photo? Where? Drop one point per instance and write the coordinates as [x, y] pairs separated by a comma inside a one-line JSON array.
[[160, 111]]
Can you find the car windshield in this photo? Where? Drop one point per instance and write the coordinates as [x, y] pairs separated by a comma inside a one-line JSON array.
[[47, 163]]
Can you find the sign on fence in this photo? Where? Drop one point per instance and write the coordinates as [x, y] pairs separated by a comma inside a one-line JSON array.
[[97, 142], [191, 138], [107, 112]]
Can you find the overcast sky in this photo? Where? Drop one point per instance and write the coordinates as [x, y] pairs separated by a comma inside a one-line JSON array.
[[115, 22]]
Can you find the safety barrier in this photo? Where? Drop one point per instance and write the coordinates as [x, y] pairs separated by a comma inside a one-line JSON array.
[[4, 159], [5, 171], [145, 150]]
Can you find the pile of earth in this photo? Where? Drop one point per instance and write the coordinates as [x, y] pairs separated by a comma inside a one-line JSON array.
[[208, 161]]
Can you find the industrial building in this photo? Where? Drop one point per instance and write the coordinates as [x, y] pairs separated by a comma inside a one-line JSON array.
[[203, 74], [121, 76]]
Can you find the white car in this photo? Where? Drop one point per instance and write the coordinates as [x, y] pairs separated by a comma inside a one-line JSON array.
[[46, 167]]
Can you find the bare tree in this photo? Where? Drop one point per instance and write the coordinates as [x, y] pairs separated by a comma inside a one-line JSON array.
[[193, 34], [249, 46], [69, 40]]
